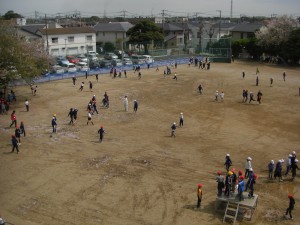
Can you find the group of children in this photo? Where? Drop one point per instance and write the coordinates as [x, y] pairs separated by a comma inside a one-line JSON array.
[[291, 165]]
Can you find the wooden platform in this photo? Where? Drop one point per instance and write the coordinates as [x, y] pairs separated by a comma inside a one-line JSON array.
[[247, 206]]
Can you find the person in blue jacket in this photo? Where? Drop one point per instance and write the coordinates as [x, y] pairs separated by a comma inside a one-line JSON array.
[[241, 188]]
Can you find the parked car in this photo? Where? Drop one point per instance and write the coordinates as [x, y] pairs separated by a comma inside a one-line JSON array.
[[116, 62], [82, 66], [71, 68], [57, 69], [105, 63], [94, 65], [110, 56], [63, 62], [127, 62], [93, 58], [72, 59], [82, 58]]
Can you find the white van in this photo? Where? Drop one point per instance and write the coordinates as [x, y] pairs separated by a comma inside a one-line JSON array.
[[138, 59], [148, 59], [71, 68]]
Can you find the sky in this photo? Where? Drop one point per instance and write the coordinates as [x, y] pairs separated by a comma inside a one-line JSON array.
[[132, 8]]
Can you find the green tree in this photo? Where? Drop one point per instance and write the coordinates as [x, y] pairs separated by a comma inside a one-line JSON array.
[[108, 47], [291, 48], [144, 33], [19, 58], [11, 14]]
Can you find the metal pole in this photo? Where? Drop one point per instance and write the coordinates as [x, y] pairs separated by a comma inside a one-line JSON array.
[[220, 23], [66, 46]]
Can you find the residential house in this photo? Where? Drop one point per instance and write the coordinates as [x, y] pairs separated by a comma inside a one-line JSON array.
[[114, 32], [68, 41], [245, 30], [177, 35]]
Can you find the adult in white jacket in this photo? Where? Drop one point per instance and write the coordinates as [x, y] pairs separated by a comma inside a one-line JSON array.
[[248, 166]]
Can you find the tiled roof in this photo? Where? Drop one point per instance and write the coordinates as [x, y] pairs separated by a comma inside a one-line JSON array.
[[246, 27], [113, 27], [69, 30], [33, 28], [169, 37]]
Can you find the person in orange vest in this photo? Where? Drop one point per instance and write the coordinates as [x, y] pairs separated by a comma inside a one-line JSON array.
[[199, 195], [13, 118]]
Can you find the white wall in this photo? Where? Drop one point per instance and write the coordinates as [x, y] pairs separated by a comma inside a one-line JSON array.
[[64, 47]]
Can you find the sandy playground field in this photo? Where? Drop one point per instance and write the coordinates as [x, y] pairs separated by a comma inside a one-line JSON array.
[[139, 175]]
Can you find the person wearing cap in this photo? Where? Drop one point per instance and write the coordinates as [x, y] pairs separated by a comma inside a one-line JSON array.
[[54, 123], [18, 134], [294, 168], [228, 162], [173, 128], [278, 170], [288, 164], [247, 167], [181, 120], [250, 184], [234, 179], [216, 95], [228, 183], [135, 106], [175, 76], [250, 176], [291, 206], [271, 169], [241, 187], [15, 144], [101, 131], [199, 195], [221, 185], [293, 157]]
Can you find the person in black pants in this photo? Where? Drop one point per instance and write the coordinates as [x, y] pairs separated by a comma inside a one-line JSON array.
[[101, 131], [15, 143], [291, 206], [220, 180], [53, 123], [22, 128], [135, 106]]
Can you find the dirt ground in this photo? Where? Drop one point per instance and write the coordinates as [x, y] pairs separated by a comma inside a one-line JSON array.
[[139, 175]]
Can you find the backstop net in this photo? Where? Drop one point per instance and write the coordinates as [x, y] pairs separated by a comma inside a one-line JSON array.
[[218, 50]]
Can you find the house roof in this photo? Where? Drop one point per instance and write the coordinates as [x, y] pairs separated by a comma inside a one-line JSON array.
[[33, 28], [247, 27], [227, 26], [170, 26], [69, 30], [169, 37], [113, 27]]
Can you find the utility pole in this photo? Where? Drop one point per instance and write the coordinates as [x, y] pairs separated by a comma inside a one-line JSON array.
[[220, 11], [47, 48], [231, 9]]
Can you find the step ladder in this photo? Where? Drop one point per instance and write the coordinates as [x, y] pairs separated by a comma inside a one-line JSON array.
[[231, 211]]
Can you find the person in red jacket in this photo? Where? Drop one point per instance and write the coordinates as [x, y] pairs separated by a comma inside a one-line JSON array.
[[13, 118]]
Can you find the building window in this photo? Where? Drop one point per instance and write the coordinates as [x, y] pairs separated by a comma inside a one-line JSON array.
[[89, 38], [54, 40], [71, 39], [242, 35]]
